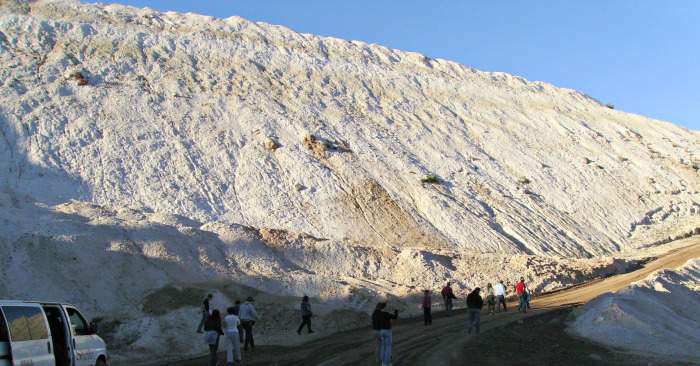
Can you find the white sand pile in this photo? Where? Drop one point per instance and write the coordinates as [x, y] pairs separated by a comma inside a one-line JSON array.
[[658, 315]]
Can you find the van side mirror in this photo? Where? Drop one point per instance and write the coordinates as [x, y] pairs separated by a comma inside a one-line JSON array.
[[93, 327]]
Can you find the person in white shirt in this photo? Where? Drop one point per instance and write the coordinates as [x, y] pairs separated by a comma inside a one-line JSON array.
[[500, 291], [231, 324]]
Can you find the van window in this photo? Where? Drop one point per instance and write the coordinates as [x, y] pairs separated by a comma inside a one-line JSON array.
[[4, 337], [37, 323], [17, 323], [77, 322], [26, 323]]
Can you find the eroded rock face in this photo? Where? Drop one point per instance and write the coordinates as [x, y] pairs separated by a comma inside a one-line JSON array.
[[178, 150], [167, 108]]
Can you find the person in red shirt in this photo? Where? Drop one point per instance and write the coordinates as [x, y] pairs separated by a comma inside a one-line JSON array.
[[448, 296], [520, 290], [427, 305]]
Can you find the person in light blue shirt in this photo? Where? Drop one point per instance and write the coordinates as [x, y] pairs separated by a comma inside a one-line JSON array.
[[248, 317]]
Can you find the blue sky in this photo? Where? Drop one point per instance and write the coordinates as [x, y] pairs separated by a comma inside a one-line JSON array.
[[643, 56]]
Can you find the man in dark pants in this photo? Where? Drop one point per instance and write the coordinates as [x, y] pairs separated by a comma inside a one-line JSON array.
[[500, 290], [447, 296], [248, 316], [474, 305], [427, 308], [305, 315], [205, 312]]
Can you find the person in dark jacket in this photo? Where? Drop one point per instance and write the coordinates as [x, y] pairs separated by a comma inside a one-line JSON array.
[[474, 305], [212, 332], [204, 311], [381, 320], [306, 315], [377, 335], [427, 308]]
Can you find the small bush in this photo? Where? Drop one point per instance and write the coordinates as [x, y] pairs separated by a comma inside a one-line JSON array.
[[80, 78], [523, 181], [622, 159], [313, 144], [432, 179], [270, 144]]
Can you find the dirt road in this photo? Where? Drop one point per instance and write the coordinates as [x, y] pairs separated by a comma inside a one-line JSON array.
[[444, 342]]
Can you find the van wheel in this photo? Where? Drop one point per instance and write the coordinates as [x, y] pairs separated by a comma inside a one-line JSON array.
[[100, 362]]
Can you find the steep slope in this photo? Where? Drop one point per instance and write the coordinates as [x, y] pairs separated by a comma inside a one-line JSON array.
[[134, 108]]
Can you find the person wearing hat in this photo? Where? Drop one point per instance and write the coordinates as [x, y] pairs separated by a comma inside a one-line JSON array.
[[427, 308], [248, 317]]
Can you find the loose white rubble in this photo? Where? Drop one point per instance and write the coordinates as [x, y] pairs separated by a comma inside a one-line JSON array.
[[658, 315]]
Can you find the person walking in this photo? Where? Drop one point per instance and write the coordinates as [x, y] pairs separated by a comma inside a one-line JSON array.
[[382, 320], [490, 299], [231, 326], [212, 332], [204, 312], [427, 308], [377, 335], [236, 312], [474, 305], [522, 295], [500, 292], [248, 316], [447, 296], [528, 297], [306, 315]]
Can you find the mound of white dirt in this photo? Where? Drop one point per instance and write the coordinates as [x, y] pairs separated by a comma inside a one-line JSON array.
[[658, 315]]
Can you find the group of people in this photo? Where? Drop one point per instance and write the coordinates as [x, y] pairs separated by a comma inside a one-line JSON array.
[[495, 298], [237, 326], [238, 323]]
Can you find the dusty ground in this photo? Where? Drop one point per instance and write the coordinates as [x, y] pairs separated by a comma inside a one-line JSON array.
[[445, 342]]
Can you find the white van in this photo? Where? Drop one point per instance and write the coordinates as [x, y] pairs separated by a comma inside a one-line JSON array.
[[47, 334]]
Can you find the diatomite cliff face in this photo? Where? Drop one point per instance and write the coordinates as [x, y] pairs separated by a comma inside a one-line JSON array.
[[165, 155], [255, 124]]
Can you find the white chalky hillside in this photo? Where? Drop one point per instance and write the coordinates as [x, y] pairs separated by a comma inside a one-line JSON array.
[[147, 158]]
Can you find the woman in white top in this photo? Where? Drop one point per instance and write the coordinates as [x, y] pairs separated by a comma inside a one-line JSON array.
[[231, 324]]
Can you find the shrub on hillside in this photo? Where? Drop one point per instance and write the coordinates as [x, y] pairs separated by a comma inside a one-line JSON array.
[[432, 179]]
